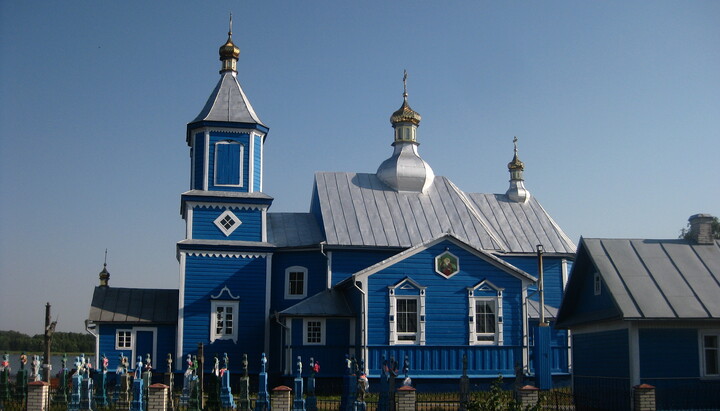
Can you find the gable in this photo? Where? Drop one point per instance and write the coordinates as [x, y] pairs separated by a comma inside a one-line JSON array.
[[440, 246], [581, 304]]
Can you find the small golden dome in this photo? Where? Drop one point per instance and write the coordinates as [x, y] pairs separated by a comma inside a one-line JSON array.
[[515, 164], [229, 49], [405, 115]]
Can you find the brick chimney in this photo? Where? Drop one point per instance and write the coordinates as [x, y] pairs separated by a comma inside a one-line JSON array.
[[701, 229]]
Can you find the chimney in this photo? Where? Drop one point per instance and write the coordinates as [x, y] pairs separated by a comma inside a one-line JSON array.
[[701, 229]]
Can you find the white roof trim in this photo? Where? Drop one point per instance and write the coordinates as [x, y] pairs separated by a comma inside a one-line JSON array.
[[224, 290]]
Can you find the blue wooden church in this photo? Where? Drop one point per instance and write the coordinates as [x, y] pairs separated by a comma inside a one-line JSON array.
[[392, 264]]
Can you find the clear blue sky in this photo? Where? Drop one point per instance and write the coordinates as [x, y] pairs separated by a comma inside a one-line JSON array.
[[616, 105]]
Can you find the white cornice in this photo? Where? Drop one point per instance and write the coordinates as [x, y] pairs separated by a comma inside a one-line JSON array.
[[224, 254], [229, 130], [261, 207]]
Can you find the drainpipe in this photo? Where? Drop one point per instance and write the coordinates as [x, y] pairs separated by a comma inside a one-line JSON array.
[[541, 291], [363, 342], [89, 326]]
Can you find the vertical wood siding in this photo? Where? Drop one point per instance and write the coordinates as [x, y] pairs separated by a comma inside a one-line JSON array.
[[204, 227], [206, 276]]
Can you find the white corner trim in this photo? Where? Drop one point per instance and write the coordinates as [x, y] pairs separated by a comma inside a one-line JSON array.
[[251, 162], [206, 162]]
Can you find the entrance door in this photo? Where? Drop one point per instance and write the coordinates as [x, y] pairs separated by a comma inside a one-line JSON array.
[[144, 345]]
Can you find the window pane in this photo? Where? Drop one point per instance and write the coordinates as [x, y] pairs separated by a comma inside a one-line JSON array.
[[314, 332], [407, 315], [296, 279], [485, 317], [712, 365]]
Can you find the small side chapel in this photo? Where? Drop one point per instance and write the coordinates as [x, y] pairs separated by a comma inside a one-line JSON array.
[[393, 264]]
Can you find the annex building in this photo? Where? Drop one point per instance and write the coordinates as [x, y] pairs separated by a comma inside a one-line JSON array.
[[396, 263]]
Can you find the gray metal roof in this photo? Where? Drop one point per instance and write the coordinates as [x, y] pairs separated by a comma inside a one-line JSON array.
[[522, 226], [134, 305], [228, 103], [533, 309], [327, 303], [659, 279], [293, 229], [359, 210]]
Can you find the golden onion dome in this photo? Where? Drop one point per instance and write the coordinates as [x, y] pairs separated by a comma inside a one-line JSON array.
[[405, 114], [515, 164], [229, 49]]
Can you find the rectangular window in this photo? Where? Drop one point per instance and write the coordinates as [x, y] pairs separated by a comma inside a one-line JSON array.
[[407, 319], [123, 340], [314, 331], [295, 282], [485, 320], [223, 325], [710, 354]]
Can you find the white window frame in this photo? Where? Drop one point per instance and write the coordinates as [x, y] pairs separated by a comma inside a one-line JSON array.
[[296, 269], [485, 291], [418, 293], [306, 334], [227, 231], [701, 344], [129, 339], [223, 335], [241, 163]]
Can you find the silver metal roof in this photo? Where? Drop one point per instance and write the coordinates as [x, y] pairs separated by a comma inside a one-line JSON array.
[[228, 103], [359, 210], [522, 226], [533, 310], [134, 305], [327, 303], [293, 229], [659, 279]]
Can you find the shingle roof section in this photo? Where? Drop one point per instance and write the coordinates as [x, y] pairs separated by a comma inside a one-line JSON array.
[[134, 305], [228, 103], [659, 279], [293, 229], [359, 210]]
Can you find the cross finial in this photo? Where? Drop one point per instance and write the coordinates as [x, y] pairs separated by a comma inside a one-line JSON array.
[[515, 143], [405, 84], [105, 263], [230, 27]]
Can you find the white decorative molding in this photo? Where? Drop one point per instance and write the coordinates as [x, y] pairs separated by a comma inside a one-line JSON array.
[[224, 254], [251, 162], [228, 206], [225, 289], [206, 161]]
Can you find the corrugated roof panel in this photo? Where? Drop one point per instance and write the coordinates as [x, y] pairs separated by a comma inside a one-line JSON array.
[[370, 205], [501, 216], [330, 220], [651, 301], [361, 212], [134, 305], [384, 217], [697, 276], [610, 276]]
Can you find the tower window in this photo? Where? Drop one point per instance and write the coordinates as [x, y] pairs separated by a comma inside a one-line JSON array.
[[223, 321], [229, 163], [227, 222]]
